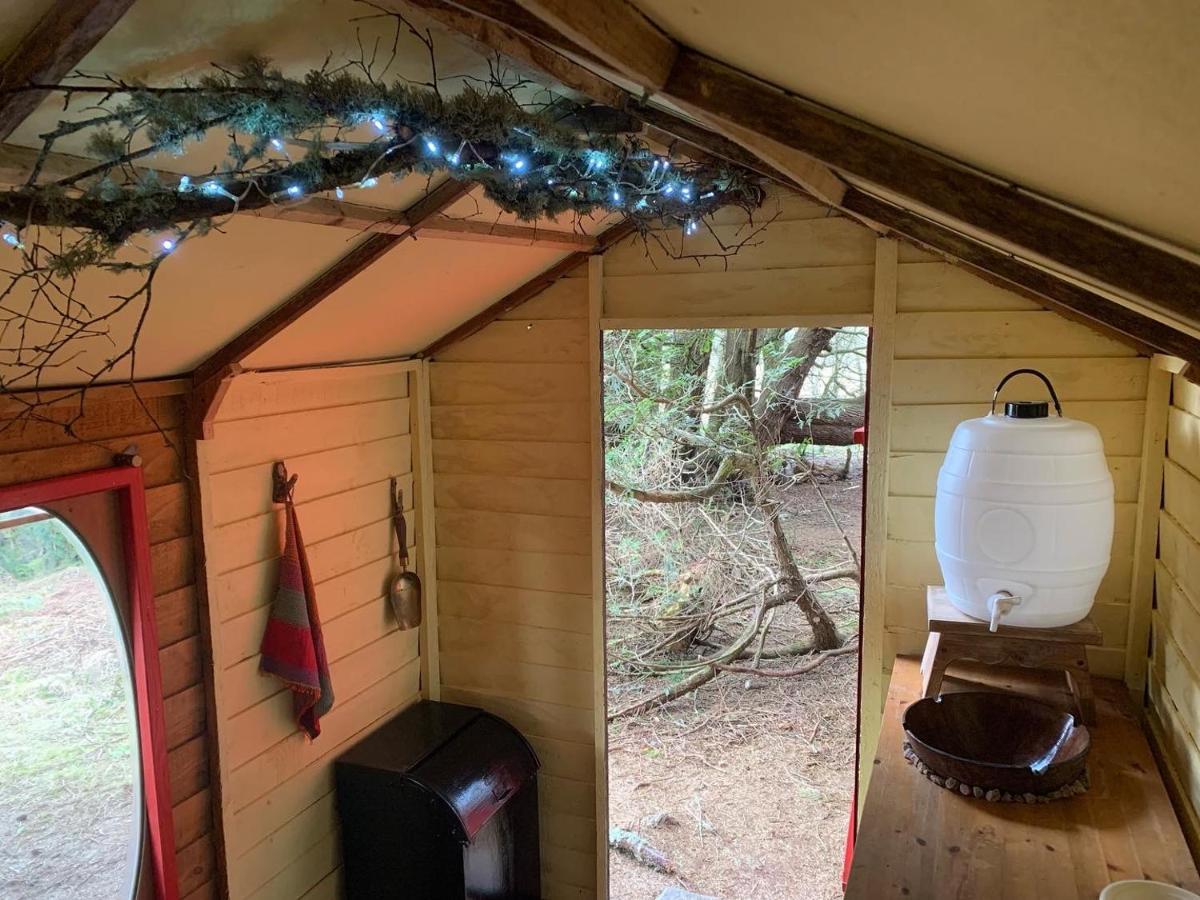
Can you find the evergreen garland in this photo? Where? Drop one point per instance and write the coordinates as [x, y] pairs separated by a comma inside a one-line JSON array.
[[291, 138]]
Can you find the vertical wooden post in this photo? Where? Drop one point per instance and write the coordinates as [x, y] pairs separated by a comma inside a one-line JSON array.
[[1145, 535], [196, 452], [599, 617], [431, 673], [871, 628]]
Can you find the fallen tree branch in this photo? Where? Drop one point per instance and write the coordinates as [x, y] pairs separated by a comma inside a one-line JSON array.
[[640, 850], [702, 493], [799, 648], [850, 646]]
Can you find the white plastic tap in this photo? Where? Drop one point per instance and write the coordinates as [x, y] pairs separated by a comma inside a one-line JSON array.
[[999, 605]]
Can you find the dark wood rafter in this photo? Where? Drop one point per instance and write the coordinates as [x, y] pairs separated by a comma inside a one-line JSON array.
[[313, 293], [1070, 300], [966, 199], [527, 291], [476, 22], [962, 195], [480, 20], [50, 51], [616, 33], [499, 26]]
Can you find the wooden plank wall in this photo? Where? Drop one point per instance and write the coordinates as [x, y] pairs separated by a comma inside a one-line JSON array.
[[511, 459], [344, 432], [115, 419], [798, 264], [956, 336], [1174, 676]]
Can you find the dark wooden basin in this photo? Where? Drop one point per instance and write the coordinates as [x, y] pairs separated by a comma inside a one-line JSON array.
[[1002, 741]]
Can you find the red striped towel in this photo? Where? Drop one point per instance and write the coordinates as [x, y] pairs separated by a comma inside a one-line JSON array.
[[292, 646]]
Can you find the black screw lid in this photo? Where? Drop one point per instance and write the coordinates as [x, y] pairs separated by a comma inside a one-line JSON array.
[[1027, 409]]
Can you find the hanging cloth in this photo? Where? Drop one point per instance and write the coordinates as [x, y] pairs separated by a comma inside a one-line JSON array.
[[292, 646]]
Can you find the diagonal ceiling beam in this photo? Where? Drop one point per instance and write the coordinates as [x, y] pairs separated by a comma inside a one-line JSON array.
[[313, 293], [1068, 299], [55, 45], [960, 197]]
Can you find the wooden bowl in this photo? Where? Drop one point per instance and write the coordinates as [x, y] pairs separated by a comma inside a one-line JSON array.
[[1002, 741]]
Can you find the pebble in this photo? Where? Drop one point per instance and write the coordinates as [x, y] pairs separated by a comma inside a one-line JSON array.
[[995, 795]]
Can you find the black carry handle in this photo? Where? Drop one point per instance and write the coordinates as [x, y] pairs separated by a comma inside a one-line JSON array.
[[1045, 381]]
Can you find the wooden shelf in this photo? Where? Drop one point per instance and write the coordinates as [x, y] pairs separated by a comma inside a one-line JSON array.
[[920, 841]]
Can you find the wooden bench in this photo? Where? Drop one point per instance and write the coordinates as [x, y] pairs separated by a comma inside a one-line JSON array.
[[922, 842], [954, 636]]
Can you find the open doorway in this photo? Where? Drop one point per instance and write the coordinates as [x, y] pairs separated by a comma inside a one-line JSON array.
[[732, 526]]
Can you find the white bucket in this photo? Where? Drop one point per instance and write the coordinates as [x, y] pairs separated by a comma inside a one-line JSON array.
[[1145, 890]]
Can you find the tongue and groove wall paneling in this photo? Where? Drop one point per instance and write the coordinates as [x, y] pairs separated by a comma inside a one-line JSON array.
[[792, 264], [344, 432], [511, 440], [1174, 677], [956, 337]]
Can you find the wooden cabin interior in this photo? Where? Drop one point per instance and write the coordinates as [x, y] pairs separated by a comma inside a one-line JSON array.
[[987, 187]]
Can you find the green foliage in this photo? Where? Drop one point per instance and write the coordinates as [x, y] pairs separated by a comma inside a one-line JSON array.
[[35, 550], [345, 128]]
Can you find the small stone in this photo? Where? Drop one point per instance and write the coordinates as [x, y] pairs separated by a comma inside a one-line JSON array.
[[938, 780], [1029, 798], [952, 782], [965, 790], [1008, 798], [977, 791], [678, 893], [993, 795]]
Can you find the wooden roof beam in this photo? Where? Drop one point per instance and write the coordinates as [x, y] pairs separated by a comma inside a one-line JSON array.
[[52, 48], [1070, 300], [234, 353], [322, 211], [744, 107]]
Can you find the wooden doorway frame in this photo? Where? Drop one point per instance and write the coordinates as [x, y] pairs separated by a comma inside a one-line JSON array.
[[127, 484], [882, 322]]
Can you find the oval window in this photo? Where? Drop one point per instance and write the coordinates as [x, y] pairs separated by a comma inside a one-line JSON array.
[[71, 824]]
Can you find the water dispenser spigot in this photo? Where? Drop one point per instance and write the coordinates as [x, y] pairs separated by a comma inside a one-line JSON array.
[[999, 605]]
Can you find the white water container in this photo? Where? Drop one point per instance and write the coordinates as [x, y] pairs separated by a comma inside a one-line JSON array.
[[1023, 520]]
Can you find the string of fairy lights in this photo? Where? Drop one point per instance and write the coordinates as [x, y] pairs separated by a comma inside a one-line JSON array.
[[629, 179]]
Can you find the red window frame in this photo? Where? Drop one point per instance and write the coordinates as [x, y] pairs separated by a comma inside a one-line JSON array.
[[127, 483]]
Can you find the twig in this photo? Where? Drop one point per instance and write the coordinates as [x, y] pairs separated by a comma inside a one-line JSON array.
[[816, 660]]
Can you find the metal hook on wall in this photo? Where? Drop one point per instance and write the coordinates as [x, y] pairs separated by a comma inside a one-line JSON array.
[[282, 486]]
